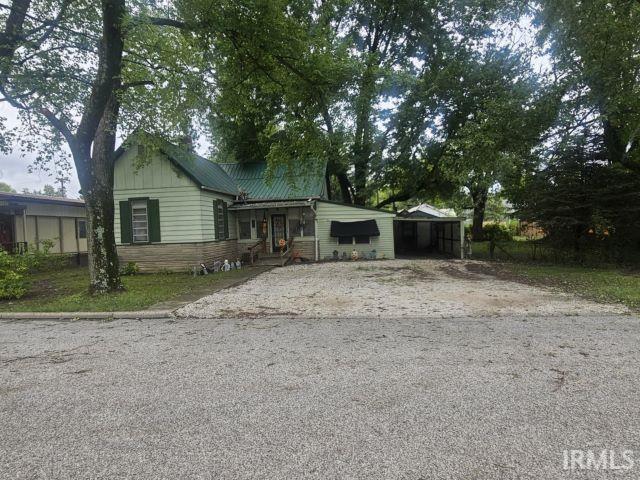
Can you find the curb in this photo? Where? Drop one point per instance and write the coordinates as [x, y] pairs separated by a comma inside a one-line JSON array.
[[142, 314]]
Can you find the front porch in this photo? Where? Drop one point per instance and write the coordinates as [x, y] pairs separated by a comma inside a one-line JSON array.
[[276, 232]]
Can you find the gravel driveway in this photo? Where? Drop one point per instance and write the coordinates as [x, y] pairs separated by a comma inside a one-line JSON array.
[[472, 398], [414, 288]]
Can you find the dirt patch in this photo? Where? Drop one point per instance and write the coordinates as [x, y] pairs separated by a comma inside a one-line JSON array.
[[392, 288], [460, 274]]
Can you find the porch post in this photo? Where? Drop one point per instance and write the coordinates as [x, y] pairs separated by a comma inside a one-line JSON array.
[[24, 226]]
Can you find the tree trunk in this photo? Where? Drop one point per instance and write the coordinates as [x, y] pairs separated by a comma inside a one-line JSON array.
[[345, 188], [479, 197], [104, 268], [95, 166]]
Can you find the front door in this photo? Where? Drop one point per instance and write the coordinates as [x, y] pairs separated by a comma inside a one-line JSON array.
[[278, 231]]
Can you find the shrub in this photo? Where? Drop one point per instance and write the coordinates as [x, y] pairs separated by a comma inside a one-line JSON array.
[[131, 268], [42, 260], [13, 283], [497, 232]]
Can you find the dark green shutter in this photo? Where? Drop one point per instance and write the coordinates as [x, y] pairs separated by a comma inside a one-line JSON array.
[[153, 213], [125, 222], [226, 219], [216, 219]]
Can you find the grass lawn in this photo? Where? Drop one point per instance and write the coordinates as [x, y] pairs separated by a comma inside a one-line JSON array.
[[602, 283], [66, 291], [605, 284]]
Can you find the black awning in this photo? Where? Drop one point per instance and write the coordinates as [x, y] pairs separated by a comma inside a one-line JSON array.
[[367, 228]]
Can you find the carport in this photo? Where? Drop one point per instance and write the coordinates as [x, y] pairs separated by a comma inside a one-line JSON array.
[[424, 230]]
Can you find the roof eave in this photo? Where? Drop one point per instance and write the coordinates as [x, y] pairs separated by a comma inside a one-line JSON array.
[[217, 190]]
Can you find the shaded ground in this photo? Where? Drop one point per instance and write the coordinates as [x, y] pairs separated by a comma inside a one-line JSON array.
[[486, 398], [418, 288], [66, 291]]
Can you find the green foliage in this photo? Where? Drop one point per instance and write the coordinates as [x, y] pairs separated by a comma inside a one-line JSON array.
[[585, 205], [13, 283], [42, 260], [594, 49], [497, 232], [5, 187], [131, 268]]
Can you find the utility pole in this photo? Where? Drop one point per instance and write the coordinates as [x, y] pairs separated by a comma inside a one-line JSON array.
[[62, 180]]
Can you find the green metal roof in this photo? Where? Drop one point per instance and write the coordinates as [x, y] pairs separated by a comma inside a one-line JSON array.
[[254, 179], [202, 171]]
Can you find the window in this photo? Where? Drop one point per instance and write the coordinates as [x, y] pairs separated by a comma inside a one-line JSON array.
[[82, 228], [140, 221], [309, 228], [295, 229], [345, 240], [362, 239], [244, 225]]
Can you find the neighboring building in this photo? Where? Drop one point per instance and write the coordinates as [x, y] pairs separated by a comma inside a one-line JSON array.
[[425, 210], [177, 209], [27, 220], [424, 229]]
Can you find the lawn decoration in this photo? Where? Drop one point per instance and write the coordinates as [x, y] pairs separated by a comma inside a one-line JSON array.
[[354, 255]]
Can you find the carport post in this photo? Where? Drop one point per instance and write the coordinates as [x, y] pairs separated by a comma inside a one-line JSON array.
[[462, 239]]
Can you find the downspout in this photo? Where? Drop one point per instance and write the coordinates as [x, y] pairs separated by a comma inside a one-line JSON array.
[[315, 229]]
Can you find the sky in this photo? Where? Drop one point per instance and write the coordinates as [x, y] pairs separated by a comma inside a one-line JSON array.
[[14, 167]]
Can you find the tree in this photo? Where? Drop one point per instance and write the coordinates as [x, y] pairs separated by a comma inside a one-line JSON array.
[[584, 204], [5, 187], [62, 66], [500, 112], [594, 48], [311, 79]]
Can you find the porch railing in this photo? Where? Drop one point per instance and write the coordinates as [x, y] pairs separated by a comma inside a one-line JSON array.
[[15, 248], [286, 254], [254, 249]]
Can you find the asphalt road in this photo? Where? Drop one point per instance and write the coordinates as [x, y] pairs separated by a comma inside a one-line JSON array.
[[464, 398]]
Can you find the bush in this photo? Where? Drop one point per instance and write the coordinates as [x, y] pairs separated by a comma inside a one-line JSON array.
[[13, 283], [131, 268], [497, 232], [42, 260]]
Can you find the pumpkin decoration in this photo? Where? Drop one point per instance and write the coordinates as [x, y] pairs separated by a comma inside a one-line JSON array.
[[354, 255], [282, 243]]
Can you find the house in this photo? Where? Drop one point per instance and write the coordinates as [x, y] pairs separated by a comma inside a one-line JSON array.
[[424, 229], [26, 221], [175, 209]]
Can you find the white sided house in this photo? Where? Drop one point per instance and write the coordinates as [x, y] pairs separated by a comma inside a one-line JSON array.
[[176, 210], [31, 221]]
